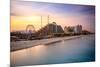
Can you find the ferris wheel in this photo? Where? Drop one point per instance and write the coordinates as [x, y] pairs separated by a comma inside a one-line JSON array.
[[30, 29]]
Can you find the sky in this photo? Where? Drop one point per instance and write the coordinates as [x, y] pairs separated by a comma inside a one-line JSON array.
[[25, 13]]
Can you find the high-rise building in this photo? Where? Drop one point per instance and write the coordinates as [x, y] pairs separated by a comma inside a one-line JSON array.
[[49, 29], [78, 29]]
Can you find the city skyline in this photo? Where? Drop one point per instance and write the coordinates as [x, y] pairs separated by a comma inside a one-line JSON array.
[[24, 13]]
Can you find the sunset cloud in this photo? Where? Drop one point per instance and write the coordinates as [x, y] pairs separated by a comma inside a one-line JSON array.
[[63, 14]]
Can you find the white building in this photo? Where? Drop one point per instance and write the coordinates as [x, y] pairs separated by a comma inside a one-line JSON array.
[[78, 29]]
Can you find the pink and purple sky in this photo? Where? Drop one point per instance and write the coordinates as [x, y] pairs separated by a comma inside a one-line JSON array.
[[29, 12]]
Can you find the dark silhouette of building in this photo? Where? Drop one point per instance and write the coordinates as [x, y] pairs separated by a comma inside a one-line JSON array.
[[50, 29], [69, 29], [73, 29]]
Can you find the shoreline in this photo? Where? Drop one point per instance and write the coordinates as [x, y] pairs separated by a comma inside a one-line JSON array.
[[15, 46]]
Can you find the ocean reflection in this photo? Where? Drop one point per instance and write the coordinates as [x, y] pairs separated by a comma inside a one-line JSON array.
[[77, 50]]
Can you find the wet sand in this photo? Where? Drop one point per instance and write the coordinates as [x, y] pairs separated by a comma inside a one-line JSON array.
[[18, 45]]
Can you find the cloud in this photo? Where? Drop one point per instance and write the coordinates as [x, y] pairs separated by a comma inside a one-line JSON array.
[[64, 14], [27, 8], [20, 9]]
